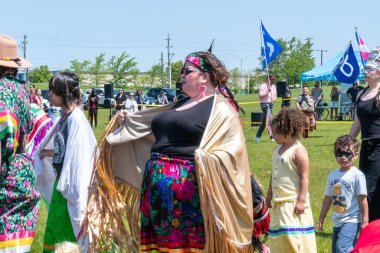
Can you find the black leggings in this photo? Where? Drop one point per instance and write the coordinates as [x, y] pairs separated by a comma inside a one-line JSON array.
[[94, 116], [369, 164]]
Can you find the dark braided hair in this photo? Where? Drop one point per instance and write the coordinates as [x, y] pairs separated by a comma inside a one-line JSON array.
[[226, 92], [377, 99], [6, 71]]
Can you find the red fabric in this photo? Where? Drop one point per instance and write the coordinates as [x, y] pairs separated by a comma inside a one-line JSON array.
[[261, 221], [369, 239]]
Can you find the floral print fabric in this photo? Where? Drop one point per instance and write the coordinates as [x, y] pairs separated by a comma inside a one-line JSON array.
[[171, 218], [19, 201]]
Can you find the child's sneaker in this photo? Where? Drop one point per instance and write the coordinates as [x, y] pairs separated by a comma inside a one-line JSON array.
[[257, 139]]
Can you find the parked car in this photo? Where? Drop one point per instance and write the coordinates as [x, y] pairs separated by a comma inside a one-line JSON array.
[[150, 100], [85, 101], [170, 93], [105, 102]]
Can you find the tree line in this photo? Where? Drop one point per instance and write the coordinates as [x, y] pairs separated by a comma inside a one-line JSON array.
[[122, 71]]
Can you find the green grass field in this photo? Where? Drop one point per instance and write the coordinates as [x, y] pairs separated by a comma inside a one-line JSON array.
[[319, 147]]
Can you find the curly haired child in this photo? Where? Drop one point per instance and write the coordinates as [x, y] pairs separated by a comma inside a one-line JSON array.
[[291, 227]]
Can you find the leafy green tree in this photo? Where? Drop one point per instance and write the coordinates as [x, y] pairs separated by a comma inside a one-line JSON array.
[[42, 74], [120, 68], [154, 73], [79, 67], [176, 71], [98, 70], [234, 79], [133, 77]]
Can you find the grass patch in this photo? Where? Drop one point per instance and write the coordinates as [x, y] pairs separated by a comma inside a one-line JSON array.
[[319, 147]]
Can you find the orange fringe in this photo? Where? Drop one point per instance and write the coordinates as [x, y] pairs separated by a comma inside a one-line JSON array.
[[112, 220]]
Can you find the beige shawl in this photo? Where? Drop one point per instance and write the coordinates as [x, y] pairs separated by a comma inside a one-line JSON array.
[[222, 172]]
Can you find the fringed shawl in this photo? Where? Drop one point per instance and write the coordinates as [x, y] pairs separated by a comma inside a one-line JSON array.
[[222, 173]]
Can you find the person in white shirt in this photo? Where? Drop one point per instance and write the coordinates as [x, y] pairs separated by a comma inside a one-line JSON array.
[[267, 95], [130, 103], [162, 98], [346, 192]]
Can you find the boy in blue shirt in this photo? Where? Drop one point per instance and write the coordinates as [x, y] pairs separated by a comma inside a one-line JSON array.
[[346, 191]]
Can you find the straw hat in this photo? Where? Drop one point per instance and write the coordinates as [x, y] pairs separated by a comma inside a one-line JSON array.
[[9, 54]]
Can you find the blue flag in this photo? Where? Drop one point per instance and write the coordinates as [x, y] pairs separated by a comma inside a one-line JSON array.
[[348, 68], [269, 48]]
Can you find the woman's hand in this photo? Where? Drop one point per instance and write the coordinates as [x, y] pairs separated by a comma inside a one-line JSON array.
[[121, 117], [46, 153]]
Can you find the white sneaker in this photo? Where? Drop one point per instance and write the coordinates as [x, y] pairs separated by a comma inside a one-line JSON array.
[[272, 139], [257, 139]]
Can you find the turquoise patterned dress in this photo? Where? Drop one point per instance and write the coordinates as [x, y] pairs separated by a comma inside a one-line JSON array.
[[19, 201]]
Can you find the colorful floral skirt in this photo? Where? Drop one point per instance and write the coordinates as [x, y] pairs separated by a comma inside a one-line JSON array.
[[58, 224], [171, 218], [19, 204]]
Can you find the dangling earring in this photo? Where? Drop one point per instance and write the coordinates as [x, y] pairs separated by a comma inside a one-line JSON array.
[[202, 90]]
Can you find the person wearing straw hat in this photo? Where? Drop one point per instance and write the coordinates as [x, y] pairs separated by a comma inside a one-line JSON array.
[[368, 123], [19, 200]]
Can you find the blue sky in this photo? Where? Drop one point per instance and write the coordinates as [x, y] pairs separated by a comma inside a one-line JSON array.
[[61, 31]]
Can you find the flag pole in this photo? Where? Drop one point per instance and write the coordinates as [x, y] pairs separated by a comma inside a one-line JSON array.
[[357, 40], [263, 46]]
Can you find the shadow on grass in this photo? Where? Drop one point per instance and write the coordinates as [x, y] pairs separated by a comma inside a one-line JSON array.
[[315, 136], [323, 234]]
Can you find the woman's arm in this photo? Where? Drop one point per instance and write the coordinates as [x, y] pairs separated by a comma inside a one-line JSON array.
[[46, 153], [298, 105], [355, 128], [302, 162]]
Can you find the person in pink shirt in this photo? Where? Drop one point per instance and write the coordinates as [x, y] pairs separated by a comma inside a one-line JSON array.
[[267, 95]]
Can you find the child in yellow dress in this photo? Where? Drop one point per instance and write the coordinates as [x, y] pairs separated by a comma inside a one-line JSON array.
[[291, 227]]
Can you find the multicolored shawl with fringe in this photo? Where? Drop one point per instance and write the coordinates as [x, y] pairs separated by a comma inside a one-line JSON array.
[[41, 125], [113, 209]]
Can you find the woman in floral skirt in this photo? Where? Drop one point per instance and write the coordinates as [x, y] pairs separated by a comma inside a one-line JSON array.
[[194, 194]]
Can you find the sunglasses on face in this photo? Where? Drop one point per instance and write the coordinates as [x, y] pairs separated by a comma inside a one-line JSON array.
[[369, 69], [188, 71], [348, 154]]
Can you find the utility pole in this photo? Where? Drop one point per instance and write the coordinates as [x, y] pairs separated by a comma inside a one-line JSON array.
[[169, 66], [241, 66], [24, 42], [321, 50], [162, 69]]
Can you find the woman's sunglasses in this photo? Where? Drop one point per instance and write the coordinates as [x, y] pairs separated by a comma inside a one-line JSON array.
[[369, 69], [188, 71]]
